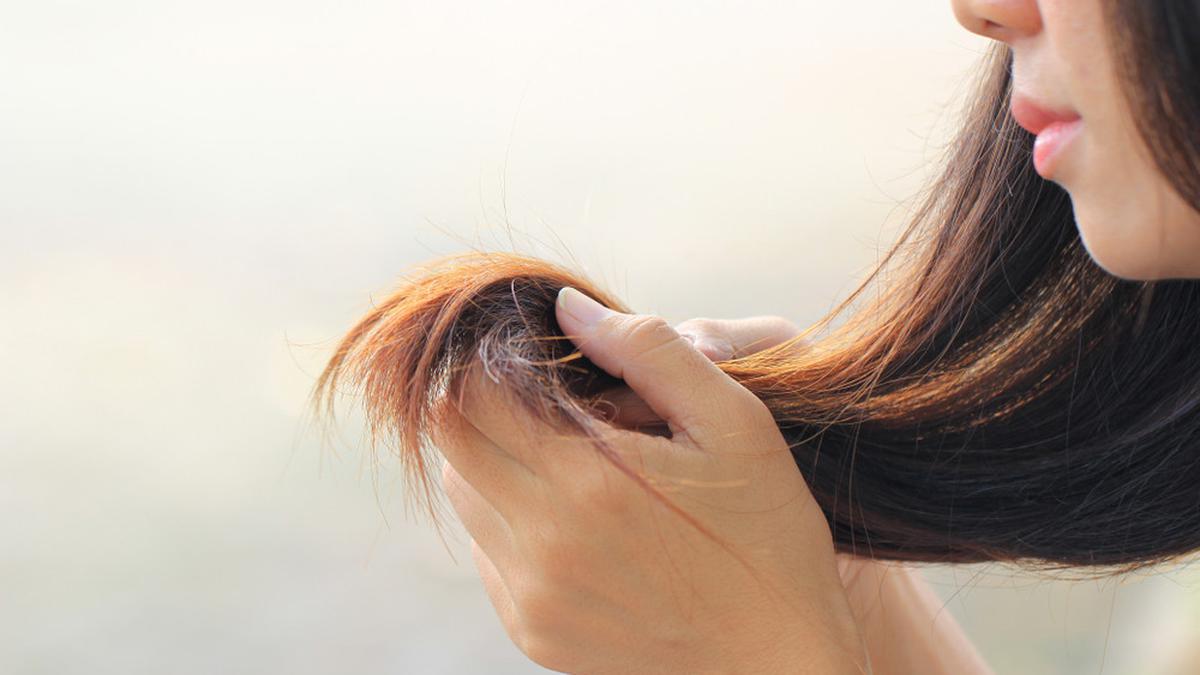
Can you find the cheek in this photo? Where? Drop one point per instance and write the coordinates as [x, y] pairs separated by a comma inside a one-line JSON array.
[[1130, 218]]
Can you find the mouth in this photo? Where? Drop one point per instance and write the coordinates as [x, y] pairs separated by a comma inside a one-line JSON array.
[[1055, 129]]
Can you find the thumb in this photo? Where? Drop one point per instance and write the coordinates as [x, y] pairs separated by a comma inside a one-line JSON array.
[[676, 381]]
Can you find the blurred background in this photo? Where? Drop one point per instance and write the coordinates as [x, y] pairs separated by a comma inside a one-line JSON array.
[[196, 199]]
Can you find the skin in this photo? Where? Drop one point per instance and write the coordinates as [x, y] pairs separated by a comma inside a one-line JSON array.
[[1133, 222], [590, 574], [904, 624], [644, 591], [614, 581]]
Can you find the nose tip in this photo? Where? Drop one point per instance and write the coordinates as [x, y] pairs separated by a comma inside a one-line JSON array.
[[1004, 20]]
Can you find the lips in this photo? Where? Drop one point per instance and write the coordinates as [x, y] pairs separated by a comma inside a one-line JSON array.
[[1055, 129]]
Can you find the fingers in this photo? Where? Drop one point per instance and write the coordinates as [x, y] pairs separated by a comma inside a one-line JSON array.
[[719, 340], [486, 526], [495, 586], [495, 474], [510, 455], [680, 384], [629, 411], [724, 339], [494, 411]]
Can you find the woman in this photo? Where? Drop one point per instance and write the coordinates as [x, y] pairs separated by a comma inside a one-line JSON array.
[[1061, 393]]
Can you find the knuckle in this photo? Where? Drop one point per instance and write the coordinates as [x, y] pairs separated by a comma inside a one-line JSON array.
[[543, 649], [649, 326], [752, 409], [779, 329], [769, 331], [648, 333], [782, 324], [700, 327], [539, 611]]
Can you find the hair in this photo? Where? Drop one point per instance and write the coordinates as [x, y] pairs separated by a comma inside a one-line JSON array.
[[1158, 51], [1001, 399]]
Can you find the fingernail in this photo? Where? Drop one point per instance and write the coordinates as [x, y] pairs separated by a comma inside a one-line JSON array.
[[582, 308]]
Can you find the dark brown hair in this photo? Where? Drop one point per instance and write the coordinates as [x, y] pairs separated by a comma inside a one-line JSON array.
[[1003, 398], [1157, 43]]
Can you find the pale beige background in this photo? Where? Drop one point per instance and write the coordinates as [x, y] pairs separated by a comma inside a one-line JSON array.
[[195, 199]]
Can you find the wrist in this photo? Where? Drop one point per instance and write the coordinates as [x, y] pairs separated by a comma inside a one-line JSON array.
[[828, 643], [905, 626]]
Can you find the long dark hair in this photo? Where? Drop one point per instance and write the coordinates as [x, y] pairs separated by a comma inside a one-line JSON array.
[[1157, 43], [1003, 399]]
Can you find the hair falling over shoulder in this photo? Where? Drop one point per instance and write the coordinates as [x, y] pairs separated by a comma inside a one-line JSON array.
[[1002, 399]]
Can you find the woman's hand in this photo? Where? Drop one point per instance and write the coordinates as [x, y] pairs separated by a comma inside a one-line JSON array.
[[591, 573], [906, 627]]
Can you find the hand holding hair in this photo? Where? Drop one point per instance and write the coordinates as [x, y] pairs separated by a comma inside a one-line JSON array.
[[574, 554], [719, 340], [905, 626], [1043, 435], [1002, 399]]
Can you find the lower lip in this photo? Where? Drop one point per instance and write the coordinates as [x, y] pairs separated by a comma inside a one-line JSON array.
[[1051, 144]]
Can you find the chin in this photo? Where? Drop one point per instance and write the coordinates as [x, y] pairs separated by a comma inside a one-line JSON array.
[[1142, 231], [1121, 255], [1124, 268], [1139, 258]]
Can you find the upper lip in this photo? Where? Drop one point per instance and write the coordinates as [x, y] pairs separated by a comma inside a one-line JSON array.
[[1034, 118]]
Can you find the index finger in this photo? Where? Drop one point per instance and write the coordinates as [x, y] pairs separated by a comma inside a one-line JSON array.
[[680, 384]]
